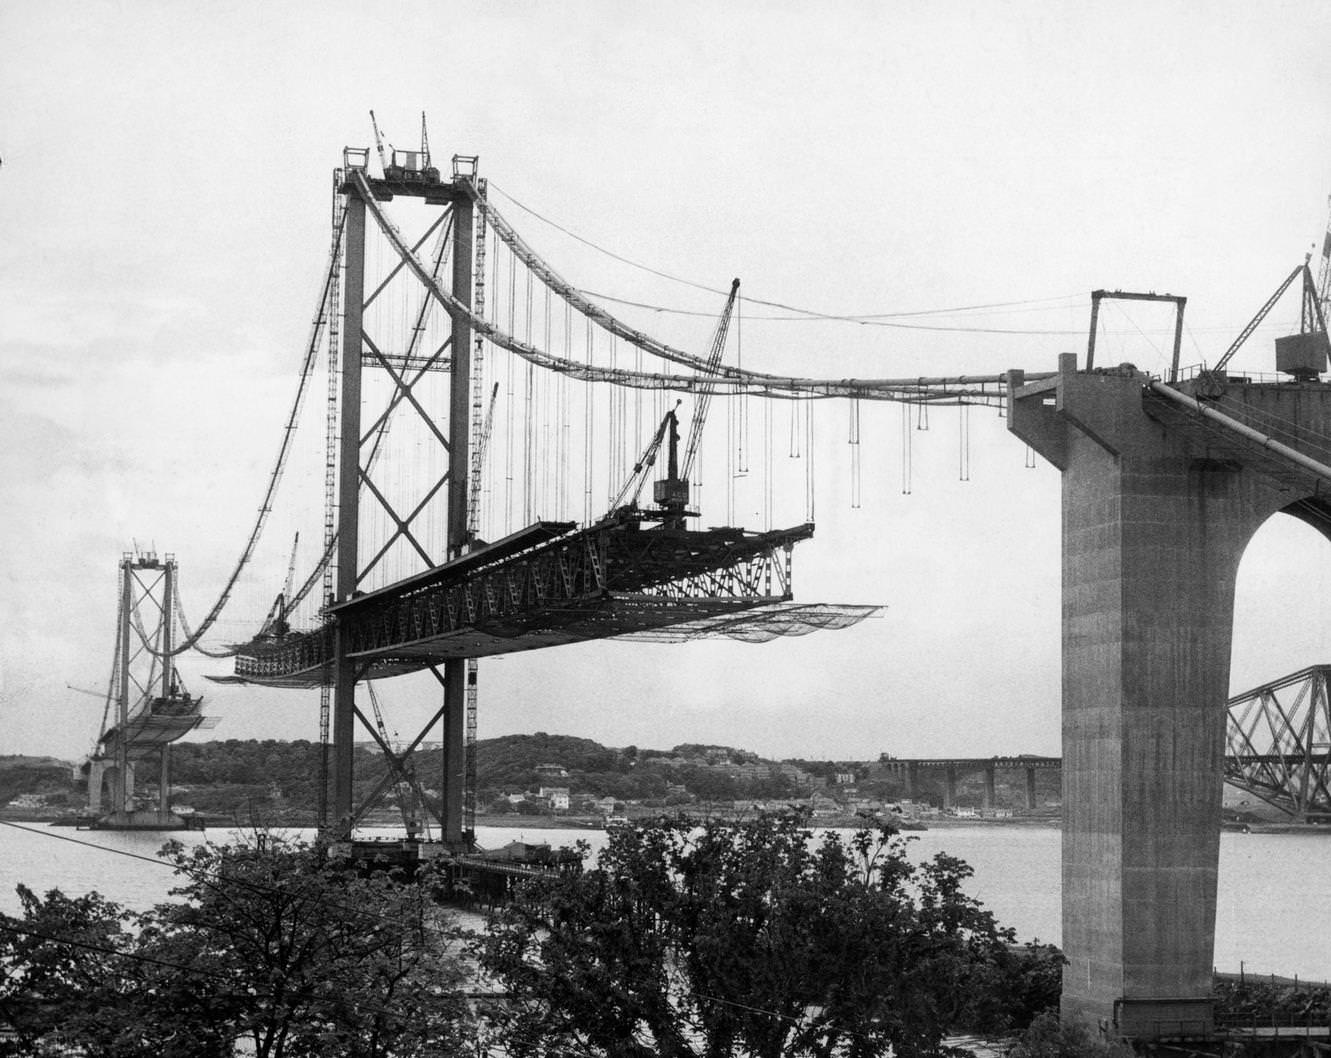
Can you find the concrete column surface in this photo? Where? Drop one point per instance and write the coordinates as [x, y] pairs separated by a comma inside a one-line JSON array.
[[1154, 527]]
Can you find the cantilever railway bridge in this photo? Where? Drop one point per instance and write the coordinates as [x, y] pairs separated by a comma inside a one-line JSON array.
[[1164, 482]]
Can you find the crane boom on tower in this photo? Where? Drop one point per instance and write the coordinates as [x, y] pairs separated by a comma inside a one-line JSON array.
[[402, 778], [705, 392], [276, 623], [379, 144], [672, 492], [1324, 273]]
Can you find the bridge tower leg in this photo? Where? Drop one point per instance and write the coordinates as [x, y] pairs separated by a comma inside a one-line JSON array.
[[950, 787], [1153, 530], [123, 783], [168, 663], [459, 426], [989, 788], [1030, 789], [348, 510]]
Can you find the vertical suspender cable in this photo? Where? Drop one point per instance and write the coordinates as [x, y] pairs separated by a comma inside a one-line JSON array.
[[587, 438], [547, 419], [964, 445], [808, 464], [565, 488], [508, 399], [906, 437], [769, 466], [854, 441], [529, 426], [742, 458], [730, 462], [613, 479]]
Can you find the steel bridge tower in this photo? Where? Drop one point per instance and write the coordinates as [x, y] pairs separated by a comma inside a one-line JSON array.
[[152, 707], [424, 183]]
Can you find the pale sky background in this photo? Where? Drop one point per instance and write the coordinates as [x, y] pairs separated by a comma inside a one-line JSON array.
[[164, 204]]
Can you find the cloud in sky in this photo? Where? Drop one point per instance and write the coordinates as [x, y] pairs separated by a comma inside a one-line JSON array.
[[164, 203]]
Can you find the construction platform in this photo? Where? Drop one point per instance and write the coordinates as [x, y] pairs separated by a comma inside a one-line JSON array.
[[553, 584]]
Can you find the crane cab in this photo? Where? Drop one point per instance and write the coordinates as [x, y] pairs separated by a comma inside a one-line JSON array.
[[411, 167]]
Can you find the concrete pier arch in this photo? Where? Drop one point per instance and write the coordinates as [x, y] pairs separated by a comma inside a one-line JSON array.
[[1157, 511]]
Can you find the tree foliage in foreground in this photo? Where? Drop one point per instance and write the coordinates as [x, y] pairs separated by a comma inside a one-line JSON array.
[[268, 943], [717, 938]]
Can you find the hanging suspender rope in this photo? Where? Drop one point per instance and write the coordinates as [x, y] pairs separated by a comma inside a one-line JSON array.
[[731, 380]]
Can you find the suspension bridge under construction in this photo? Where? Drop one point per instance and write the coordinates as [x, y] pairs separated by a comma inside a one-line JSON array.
[[1165, 480]]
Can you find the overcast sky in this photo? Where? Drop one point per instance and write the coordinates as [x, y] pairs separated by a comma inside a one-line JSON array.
[[164, 204]]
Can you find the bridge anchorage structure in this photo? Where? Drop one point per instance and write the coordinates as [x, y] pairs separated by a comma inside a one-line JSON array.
[[147, 705], [1278, 745]]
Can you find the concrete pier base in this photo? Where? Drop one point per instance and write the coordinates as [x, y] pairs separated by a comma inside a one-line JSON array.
[[1154, 526]]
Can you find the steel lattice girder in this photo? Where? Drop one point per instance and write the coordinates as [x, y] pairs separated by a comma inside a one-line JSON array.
[[613, 578], [1278, 745]]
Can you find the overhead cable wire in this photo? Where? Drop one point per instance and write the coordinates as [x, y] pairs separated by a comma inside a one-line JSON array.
[[803, 312], [866, 321]]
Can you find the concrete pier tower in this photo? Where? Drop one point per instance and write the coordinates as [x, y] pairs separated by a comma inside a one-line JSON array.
[[1157, 509]]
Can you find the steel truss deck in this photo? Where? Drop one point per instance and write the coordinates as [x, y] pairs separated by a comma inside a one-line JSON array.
[[553, 584]]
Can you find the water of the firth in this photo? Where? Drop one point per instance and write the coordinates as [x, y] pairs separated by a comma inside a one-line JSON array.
[[1273, 913]]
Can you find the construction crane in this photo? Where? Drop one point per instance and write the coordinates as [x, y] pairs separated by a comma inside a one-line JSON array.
[[379, 145], [276, 625], [1298, 355], [672, 493], [1324, 273], [403, 781], [477, 466], [428, 171], [632, 489], [408, 166]]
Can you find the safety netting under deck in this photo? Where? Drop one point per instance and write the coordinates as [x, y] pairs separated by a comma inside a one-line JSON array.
[[551, 585], [158, 722]]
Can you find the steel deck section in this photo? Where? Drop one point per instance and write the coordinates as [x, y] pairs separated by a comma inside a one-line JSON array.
[[546, 587], [162, 721]]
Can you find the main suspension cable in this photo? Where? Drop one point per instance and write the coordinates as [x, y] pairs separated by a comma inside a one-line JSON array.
[[311, 349], [960, 389]]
